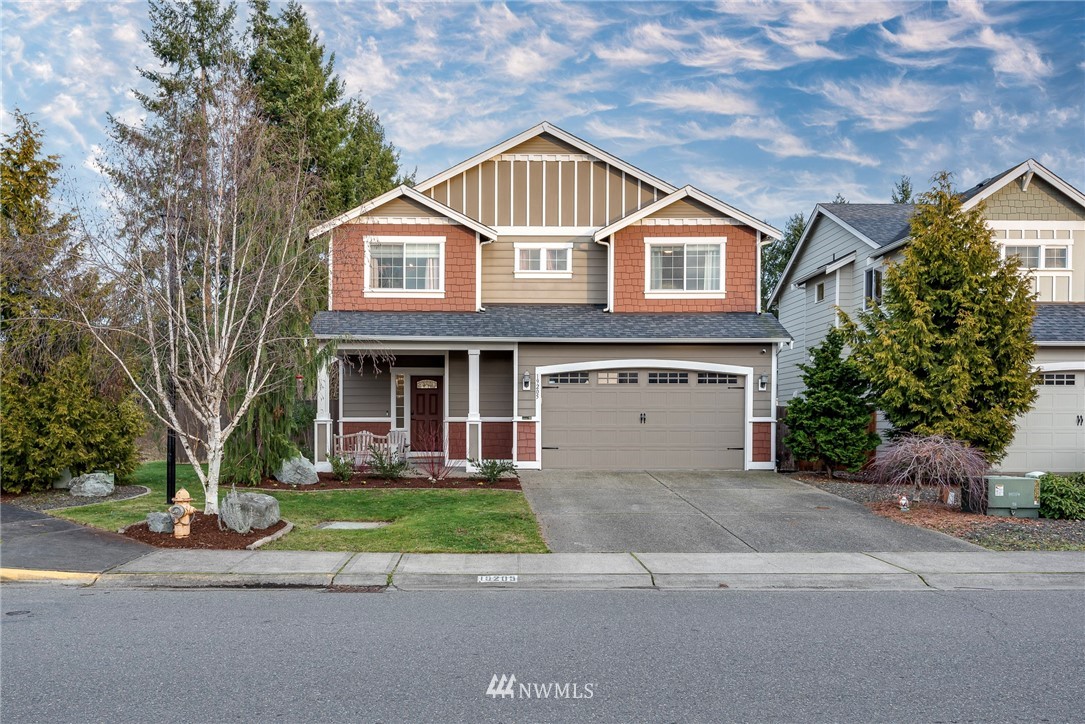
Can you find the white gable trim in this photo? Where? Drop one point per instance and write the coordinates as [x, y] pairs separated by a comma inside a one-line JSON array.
[[410, 193], [697, 195], [545, 127], [1029, 168]]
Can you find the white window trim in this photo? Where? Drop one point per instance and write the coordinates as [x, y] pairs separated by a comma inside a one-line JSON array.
[[375, 293], [650, 293], [519, 273], [819, 288], [1042, 245], [871, 271]]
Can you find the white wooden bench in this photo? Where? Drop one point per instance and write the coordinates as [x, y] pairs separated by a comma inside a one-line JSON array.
[[359, 446]]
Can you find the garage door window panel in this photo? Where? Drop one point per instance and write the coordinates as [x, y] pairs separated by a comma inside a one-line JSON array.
[[1059, 379], [668, 378], [678, 267]]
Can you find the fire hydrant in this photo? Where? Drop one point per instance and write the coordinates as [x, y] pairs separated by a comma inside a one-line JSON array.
[[181, 511]]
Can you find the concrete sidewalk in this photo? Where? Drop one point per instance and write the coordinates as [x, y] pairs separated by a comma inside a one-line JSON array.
[[580, 571]]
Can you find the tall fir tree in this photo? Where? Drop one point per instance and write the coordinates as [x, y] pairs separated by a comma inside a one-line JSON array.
[[902, 191], [829, 422], [776, 255], [948, 350], [61, 405]]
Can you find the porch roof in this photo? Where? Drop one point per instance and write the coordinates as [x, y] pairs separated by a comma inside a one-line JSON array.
[[550, 323]]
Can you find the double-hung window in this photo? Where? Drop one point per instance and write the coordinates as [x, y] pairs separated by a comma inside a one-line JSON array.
[[685, 267], [545, 260], [872, 287], [404, 266]]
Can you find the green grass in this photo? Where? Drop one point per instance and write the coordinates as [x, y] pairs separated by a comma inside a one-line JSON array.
[[423, 521]]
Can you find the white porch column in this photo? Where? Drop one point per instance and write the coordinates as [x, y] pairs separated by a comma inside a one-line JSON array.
[[322, 432], [474, 419]]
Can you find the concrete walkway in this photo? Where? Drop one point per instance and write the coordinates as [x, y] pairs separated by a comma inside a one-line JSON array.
[[565, 571], [709, 512]]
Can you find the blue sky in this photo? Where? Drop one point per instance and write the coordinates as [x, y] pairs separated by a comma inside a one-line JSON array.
[[772, 107]]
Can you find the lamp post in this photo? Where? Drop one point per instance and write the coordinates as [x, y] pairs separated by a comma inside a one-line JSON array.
[[171, 389]]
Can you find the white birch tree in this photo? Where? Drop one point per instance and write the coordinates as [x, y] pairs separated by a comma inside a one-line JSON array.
[[210, 255]]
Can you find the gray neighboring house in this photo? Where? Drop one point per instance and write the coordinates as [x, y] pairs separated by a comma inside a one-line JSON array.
[[1035, 216]]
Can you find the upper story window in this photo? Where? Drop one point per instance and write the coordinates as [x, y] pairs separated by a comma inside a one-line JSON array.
[[685, 267], [404, 266], [1044, 252], [552, 260], [819, 292], [872, 287]]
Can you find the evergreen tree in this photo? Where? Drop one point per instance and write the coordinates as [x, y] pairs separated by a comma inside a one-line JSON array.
[[829, 422], [61, 406], [902, 191], [948, 350], [776, 255], [839, 199]]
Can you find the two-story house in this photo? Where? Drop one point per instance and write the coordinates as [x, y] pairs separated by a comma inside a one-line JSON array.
[[548, 303], [1035, 217]]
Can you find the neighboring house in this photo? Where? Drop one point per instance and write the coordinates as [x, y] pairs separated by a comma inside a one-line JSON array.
[[1036, 217], [549, 303]]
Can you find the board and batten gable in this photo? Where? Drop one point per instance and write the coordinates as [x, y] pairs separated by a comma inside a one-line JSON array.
[[807, 320], [1042, 215], [544, 182]]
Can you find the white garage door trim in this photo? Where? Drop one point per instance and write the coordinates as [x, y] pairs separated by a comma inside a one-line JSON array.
[[1042, 367], [671, 364]]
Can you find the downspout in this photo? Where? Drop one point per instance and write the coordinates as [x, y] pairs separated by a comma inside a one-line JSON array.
[[478, 272], [610, 272]]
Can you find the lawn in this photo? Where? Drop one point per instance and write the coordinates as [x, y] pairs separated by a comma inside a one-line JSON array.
[[423, 521]]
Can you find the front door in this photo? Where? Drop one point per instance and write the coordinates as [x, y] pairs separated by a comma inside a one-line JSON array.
[[426, 414]]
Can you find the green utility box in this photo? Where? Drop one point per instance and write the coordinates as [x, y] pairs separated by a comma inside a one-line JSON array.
[[1013, 496]]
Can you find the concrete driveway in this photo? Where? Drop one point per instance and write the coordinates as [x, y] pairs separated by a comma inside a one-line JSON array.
[[709, 512]]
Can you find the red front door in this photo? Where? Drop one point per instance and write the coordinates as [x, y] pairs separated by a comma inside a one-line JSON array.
[[426, 414]]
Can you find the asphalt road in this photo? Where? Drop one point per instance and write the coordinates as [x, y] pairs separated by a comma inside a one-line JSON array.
[[71, 654]]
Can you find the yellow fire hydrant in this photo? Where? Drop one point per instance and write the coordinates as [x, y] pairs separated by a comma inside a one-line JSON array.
[[181, 511]]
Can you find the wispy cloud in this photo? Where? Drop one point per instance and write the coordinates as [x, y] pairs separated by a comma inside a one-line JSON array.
[[885, 105], [710, 99]]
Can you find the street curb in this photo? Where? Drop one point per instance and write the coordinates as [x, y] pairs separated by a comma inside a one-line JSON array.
[[215, 580], [27, 575]]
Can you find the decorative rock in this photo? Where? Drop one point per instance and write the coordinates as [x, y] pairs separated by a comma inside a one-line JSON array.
[[297, 471], [64, 480], [92, 485], [159, 522], [263, 508]]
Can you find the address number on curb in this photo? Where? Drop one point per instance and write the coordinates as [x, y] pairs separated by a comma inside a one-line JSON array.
[[498, 579]]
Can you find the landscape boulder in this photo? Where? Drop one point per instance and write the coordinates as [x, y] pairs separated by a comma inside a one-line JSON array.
[[92, 485], [160, 522], [297, 471], [264, 509]]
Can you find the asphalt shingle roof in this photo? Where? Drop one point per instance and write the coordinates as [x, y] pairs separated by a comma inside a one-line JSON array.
[[551, 322], [881, 223], [1059, 322]]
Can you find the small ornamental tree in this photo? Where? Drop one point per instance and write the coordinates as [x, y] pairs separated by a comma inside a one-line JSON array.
[[948, 349], [829, 422]]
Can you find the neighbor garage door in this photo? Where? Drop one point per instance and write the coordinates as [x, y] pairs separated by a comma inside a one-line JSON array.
[[641, 419], [1051, 436]]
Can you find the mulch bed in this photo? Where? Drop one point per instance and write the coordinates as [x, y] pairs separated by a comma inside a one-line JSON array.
[[54, 499], [989, 531], [205, 535], [362, 481]]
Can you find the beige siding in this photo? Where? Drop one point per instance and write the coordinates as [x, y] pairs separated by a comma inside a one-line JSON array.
[[647, 195], [401, 207], [569, 199], [1049, 355], [598, 192], [535, 355], [543, 143], [365, 392], [551, 199], [495, 384], [519, 193], [470, 183], [583, 195], [489, 209], [1042, 201], [504, 205], [588, 285], [686, 209], [614, 208], [535, 194]]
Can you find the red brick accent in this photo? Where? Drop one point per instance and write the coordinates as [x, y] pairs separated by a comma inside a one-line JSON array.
[[740, 269], [525, 441], [762, 442], [457, 441], [377, 428], [497, 440], [348, 272]]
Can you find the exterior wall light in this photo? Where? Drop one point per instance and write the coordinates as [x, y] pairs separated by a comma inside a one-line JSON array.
[[763, 383], [526, 382]]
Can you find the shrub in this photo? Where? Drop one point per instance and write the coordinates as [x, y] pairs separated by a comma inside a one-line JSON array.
[[433, 465], [933, 461], [1063, 496], [385, 463], [342, 467], [490, 471]]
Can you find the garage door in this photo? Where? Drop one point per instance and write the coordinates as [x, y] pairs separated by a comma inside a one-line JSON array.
[[1051, 436], [643, 419]]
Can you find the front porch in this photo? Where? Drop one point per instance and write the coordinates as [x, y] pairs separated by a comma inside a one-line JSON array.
[[456, 402]]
